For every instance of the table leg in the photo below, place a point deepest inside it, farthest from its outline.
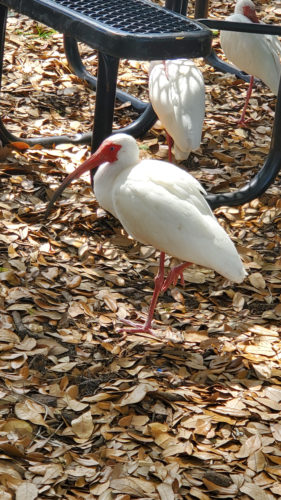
(5, 136)
(201, 8)
(179, 6)
(105, 98)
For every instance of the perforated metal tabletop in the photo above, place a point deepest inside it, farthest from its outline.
(132, 15)
(136, 29)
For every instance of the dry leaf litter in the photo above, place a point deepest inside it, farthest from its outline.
(86, 412)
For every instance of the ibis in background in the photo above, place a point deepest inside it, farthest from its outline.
(257, 55)
(161, 205)
(177, 95)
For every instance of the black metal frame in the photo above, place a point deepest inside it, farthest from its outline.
(266, 175)
(105, 86)
(272, 165)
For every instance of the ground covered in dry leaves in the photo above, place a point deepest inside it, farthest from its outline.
(90, 413)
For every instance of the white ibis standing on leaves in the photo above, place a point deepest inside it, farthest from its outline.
(177, 95)
(161, 205)
(257, 55)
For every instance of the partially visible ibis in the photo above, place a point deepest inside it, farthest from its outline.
(257, 55)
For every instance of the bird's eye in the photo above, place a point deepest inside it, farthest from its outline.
(112, 148)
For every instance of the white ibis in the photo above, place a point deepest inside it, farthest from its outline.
(161, 205)
(257, 55)
(177, 95)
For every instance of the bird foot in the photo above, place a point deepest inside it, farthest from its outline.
(173, 276)
(244, 123)
(134, 327)
(172, 279)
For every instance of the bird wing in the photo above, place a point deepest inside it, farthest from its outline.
(274, 43)
(274, 47)
(159, 95)
(177, 94)
(161, 205)
(187, 96)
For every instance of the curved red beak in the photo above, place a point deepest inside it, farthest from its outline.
(102, 155)
(93, 162)
(107, 152)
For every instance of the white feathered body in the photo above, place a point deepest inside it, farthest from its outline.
(177, 94)
(257, 55)
(161, 205)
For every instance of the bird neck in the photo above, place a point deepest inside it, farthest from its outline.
(105, 180)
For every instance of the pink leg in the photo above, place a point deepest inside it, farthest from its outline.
(249, 92)
(166, 69)
(158, 280)
(174, 275)
(170, 143)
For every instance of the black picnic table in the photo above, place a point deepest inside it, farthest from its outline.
(140, 30)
